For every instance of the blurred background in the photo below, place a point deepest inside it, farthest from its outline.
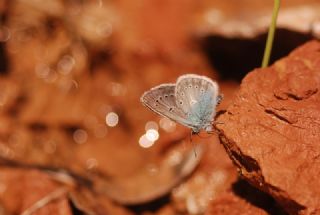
(71, 76)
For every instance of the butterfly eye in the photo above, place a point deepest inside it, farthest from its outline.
(160, 97)
(166, 96)
(190, 86)
(181, 102)
(157, 101)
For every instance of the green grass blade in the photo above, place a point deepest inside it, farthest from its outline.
(272, 28)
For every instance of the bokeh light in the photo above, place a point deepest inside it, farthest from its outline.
(117, 89)
(91, 163)
(100, 131)
(167, 125)
(42, 70)
(151, 125)
(80, 136)
(144, 142)
(152, 135)
(112, 119)
(66, 64)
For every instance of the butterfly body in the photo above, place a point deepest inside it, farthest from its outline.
(200, 113)
(190, 102)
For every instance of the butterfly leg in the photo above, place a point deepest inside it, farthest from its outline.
(215, 130)
(219, 99)
(193, 145)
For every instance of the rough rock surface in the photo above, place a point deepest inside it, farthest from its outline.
(272, 130)
(214, 176)
(231, 204)
(24, 192)
(243, 199)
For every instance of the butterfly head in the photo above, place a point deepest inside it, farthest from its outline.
(208, 128)
(195, 130)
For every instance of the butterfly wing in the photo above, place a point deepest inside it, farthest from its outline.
(197, 96)
(161, 99)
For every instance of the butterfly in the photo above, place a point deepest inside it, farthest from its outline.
(191, 101)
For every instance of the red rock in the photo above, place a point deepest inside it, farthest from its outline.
(231, 204)
(30, 191)
(22, 190)
(272, 130)
(243, 199)
(214, 176)
(90, 202)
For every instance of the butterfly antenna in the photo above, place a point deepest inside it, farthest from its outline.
(193, 145)
(214, 123)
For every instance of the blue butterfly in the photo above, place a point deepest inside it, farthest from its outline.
(191, 101)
